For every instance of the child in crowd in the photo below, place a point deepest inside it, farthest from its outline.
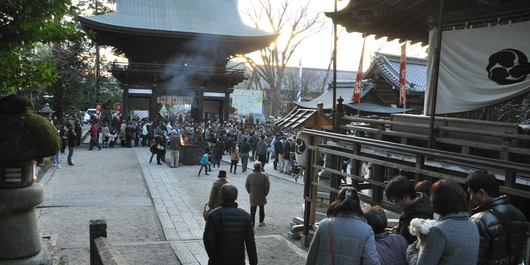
(205, 163)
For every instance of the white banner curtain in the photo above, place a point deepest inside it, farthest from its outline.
(472, 74)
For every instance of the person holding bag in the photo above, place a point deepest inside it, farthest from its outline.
(344, 237)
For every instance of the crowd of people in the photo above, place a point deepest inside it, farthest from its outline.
(495, 233)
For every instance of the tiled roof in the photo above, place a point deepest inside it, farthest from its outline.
(344, 90)
(296, 118)
(211, 17)
(388, 65)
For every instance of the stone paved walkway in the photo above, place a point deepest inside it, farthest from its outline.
(154, 212)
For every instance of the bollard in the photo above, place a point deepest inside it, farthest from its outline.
(98, 228)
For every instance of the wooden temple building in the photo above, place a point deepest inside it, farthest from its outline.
(177, 53)
(380, 89)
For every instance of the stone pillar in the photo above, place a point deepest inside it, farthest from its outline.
(26, 137)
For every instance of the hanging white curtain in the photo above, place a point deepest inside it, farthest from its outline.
(480, 67)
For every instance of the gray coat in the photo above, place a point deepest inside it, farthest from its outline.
(353, 240)
(258, 186)
(455, 240)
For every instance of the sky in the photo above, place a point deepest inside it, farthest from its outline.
(315, 52)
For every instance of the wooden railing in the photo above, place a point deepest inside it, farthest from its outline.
(388, 159)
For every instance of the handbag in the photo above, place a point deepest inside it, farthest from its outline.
(331, 245)
(205, 212)
(160, 147)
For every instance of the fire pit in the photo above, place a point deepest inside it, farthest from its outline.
(191, 152)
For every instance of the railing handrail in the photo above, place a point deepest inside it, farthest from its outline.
(440, 128)
(397, 147)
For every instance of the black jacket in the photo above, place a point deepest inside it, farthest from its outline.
(492, 234)
(421, 208)
(228, 232)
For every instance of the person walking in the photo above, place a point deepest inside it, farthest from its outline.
(204, 163)
(161, 143)
(71, 141)
(215, 193)
(455, 239)
(258, 186)
(261, 149)
(218, 152)
(344, 238)
(278, 150)
(502, 227)
(174, 146)
(94, 133)
(234, 157)
(229, 232)
(244, 153)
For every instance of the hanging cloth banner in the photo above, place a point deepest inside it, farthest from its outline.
(118, 110)
(403, 75)
(480, 67)
(99, 106)
(359, 78)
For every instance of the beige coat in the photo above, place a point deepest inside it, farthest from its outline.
(215, 193)
(258, 186)
(234, 155)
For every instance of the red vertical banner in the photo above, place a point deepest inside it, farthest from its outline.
(403, 75)
(98, 109)
(118, 110)
(359, 78)
(235, 114)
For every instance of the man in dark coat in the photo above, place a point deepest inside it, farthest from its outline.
(229, 231)
(129, 134)
(483, 189)
(258, 186)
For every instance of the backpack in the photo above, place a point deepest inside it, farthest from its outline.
(278, 147)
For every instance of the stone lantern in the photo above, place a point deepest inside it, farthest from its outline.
(46, 112)
(25, 138)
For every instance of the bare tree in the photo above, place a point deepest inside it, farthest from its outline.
(308, 87)
(296, 22)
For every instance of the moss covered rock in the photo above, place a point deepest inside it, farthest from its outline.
(25, 135)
